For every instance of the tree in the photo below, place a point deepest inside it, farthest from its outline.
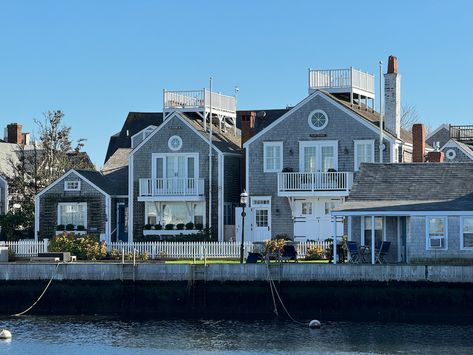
(410, 116)
(37, 166)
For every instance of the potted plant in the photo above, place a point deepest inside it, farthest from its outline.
(169, 226)
(60, 227)
(81, 228)
(180, 226)
(199, 226)
(147, 227)
(69, 227)
(158, 227)
(190, 226)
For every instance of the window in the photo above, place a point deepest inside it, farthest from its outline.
(306, 208)
(261, 217)
(364, 152)
(466, 233)
(450, 154)
(72, 185)
(378, 231)
(436, 233)
(72, 213)
(175, 143)
(273, 156)
(329, 206)
(174, 212)
(318, 120)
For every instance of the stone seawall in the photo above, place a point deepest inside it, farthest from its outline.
(287, 272)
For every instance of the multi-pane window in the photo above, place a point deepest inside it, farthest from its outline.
(261, 217)
(273, 158)
(467, 232)
(306, 208)
(436, 233)
(72, 185)
(329, 206)
(72, 213)
(364, 152)
(367, 231)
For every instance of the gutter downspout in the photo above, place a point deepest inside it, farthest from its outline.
(380, 113)
(210, 158)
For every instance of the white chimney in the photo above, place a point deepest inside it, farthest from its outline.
(392, 98)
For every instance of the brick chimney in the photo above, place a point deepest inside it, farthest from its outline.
(392, 98)
(418, 143)
(435, 157)
(248, 119)
(14, 134)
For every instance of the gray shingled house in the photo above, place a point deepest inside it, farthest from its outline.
(301, 165)
(456, 142)
(424, 209)
(3, 195)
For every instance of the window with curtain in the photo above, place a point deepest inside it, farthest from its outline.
(272, 156)
(72, 213)
(467, 232)
(378, 231)
(364, 152)
(436, 233)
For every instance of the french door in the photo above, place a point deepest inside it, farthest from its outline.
(175, 173)
(318, 156)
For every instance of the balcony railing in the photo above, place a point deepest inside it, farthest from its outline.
(199, 100)
(462, 133)
(341, 79)
(314, 182)
(171, 187)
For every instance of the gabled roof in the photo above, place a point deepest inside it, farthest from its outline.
(412, 187)
(439, 128)
(465, 148)
(118, 160)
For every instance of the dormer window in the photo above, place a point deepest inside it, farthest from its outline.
(72, 185)
(318, 120)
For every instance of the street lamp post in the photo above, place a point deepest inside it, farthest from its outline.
(243, 203)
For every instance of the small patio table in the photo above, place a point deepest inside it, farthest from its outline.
(365, 254)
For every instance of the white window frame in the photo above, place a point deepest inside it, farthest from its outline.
(357, 142)
(318, 145)
(254, 199)
(462, 240)
(171, 139)
(67, 188)
(154, 156)
(279, 145)
(383, 230)
(427, 233)
(68, 204)
(310, 209)
(309, 120)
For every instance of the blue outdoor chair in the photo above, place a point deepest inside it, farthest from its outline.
(253, 258)
(382, 251)
(354, 253)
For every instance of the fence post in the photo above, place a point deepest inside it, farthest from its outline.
(45, 245)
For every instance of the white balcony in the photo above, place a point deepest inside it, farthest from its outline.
(351, 81)
(315, 184)
(199, 101)
(173, 189)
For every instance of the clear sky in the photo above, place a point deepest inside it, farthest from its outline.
(98, 60)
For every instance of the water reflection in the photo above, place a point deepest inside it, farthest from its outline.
(97, 335)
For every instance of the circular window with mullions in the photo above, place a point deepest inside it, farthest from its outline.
(175, 143)
(450, 154)
(318, 120)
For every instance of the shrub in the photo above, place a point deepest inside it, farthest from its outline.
(80, 227)
(87, 247)
(189, 226)
(274, 245)
(180, 226)
(315, 252)
(147, 227)
(158, 227)
(69, 227)
(60, 227)
(169, 226)
(199, 226)
(116, 254)
(282, 236)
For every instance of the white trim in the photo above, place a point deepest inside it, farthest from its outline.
(462, 246)
(444, 125)
(36, 217)
(58, 222)
(453, 143)
(279, 144)
(170, 140)
(356, 142)
(150, 128)
(318, 144)
(220, 175)
(383, 227)
(168, 119)
(154, 156)
(252, 198)
(68, 188)
(427, 233)
(388, 136)
(450, 154)
(130, 198)
(247, 168)
(108, 216)
(309, 120)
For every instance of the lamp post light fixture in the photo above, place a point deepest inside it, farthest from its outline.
(243, 203)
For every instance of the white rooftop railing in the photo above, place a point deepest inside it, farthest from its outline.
(199, 99)
(341, 78)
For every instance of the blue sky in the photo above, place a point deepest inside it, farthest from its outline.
(98, 60)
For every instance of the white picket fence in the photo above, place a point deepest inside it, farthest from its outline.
(27, 247)
(179, 250)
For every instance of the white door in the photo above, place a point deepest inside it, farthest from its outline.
(318, 156)
(238, 225)
(261, 223)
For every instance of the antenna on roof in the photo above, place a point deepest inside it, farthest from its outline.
(237, 91)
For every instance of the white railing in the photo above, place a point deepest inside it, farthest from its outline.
(341, 78)
(198, 99)
(179, 250)
(172, 187)
(329, 181)
(27, 247)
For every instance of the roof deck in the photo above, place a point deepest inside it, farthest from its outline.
(336, 81)
(462, 133)
(199, 101)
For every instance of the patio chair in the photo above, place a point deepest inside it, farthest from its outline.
(253, 258)
(354, 253)
(382, 251)
(289, 252)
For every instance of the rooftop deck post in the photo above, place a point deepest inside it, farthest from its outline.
(373, 234)
(334, 245)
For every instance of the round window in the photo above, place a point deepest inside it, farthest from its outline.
(450, 154)
(318, 120)
(175, 143)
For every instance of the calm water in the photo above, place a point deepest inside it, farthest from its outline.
(92, 335)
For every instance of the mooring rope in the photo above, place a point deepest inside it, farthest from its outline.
(275, 310)
(40, 296)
